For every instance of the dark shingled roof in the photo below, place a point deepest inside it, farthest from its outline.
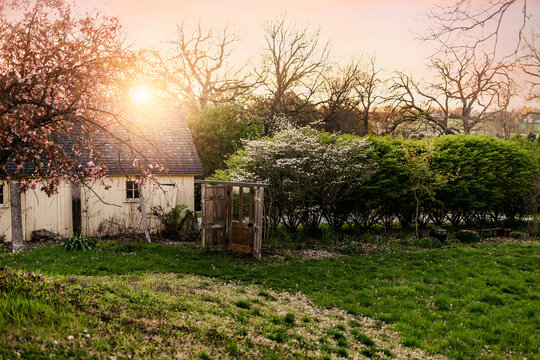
(155, 137)
(159, 138)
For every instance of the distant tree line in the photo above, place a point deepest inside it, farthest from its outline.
(295, 77)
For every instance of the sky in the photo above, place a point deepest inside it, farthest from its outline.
(386, 28)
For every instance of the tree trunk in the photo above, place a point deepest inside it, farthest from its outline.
(76, 211)
(16, 216)
(143, 211)
(416, 214)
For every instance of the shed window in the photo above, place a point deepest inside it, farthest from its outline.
(1, 193)
(132, 190)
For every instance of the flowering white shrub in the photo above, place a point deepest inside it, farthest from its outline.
(308, 171)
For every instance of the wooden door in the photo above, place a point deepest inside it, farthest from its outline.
(214, 220)
(241, 220)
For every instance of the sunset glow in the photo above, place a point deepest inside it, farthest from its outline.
(141, 94)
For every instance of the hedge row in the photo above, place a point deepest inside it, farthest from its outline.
(486, 180)
(489, 179)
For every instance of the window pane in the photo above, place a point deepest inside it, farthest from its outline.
(246, 204)
(235, 204)
(132, 190)
(1, 193)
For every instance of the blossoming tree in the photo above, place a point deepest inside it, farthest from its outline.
(308, 171)
(57, 72)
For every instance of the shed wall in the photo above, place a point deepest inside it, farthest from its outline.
(104, 210)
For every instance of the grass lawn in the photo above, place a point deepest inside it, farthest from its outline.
(480, 301)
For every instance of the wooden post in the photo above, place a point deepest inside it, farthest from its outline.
(258, 229)
(16, 216)
(76, 213)
(203, 214)
(143, 211)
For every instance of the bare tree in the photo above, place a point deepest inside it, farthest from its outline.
(339, 106)
(428, 104)
(468, 24)
(351, 95)
(476, 85)
(388, 119)
(293, 62)
(367, 89)
(530, 64)
(197, 71)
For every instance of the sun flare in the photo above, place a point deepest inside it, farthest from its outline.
(141, 94)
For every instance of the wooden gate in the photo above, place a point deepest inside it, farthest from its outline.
(232, 216)
(214, 216)
(241, 224)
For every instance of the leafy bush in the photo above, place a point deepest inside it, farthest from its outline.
(79, 243)
(179, 222)
(493, 177)
(309, 172)
(365, 182)
(467, 236)
(516, 235)
(429, 243)
(369, 238)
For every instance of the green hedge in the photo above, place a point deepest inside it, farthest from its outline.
(489, 179)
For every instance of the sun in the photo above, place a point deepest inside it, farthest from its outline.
(141, 94)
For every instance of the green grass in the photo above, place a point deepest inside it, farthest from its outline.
(164, 316)
(480, 301)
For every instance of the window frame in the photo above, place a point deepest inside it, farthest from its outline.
(132, 191)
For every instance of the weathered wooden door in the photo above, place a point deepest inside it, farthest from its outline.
(215, 220)
(232, 216)
(241, 220)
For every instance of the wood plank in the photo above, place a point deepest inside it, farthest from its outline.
(240, 248)
(214, 225)
(203, 214)
(251, 198)
(241, 204)
(233, 183)
(258, 223)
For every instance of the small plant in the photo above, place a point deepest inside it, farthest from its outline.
(429, 243)
(516, 235)
(289, 319)
(242, 304)
(78, 243)
(329, 236)
(363, 338)
(179, 222)
(369, 238)
(467, 236)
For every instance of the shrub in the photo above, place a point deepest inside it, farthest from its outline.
(429, 243)
(79, 243)
(289, 319)
(309, 173)
(516, 235)
(179, 222)
(467, 236)
(369, 238)
(492, 175)
(365, 182)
